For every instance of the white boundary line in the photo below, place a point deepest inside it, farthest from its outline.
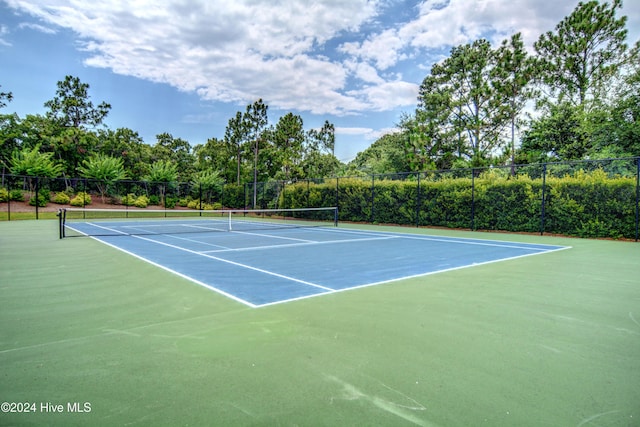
(272, 237)
(248, 267)
(366, 285)
(308, 243)
(446, 239)
(537, 247)
(184, 276)
(173, 236)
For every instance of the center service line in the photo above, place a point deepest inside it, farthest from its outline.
(237, 264)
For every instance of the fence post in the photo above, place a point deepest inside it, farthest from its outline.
(542, 208)
(637, 194)
(84, 196)
(338, 193)
(37, 192)
(9, 182)
(418, 203)
(473, 199)
(284, 194)
(163, 193)
(373, 197)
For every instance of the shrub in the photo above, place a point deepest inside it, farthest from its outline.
(586, 204)
(81, 199)
(129, 199)
(16, 196)
(41, 199)
(170, 202)
(154, 200)
(61, 199)
(141, 202)
(234, 197)
(4, 195)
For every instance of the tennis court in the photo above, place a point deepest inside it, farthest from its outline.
(551, 339)
(258, 262)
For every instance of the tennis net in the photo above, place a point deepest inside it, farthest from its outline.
(126, 222)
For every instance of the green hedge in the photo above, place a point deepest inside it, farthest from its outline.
(591, 205)
(583, 204)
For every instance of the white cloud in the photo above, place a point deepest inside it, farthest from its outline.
(363, 71)
(367, 133)
(353, 130)
(4, 31)
(384, 49)
(40, 28)
(225, 51)
(380, 96)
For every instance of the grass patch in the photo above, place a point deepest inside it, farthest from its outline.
(19, 216)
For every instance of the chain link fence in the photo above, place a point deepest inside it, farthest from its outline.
(598, 198)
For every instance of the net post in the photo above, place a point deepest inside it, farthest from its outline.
(542, 207)
(61, 219)
(335, 217)
(637, 197)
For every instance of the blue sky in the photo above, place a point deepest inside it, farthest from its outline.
(186, 66)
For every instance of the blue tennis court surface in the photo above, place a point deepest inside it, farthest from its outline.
(259, 268)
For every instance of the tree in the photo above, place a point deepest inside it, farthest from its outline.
(512, 76)
(128, 145)
(458, 102)
(558, 134)
(235, 135)
(319, 165)
(387, 154)
(324, 139)
(163, 173)
(4, 98)
(255, 121)
(428, 142)
(619, 135)
(73, 114)
(214, 156)
(288, 140)
(10, 133)
(31, 162)
(104, 169)
(584, 53)
(71, 106)
(208, 182)
(431, 130)
(176, 150)
(319, 152)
